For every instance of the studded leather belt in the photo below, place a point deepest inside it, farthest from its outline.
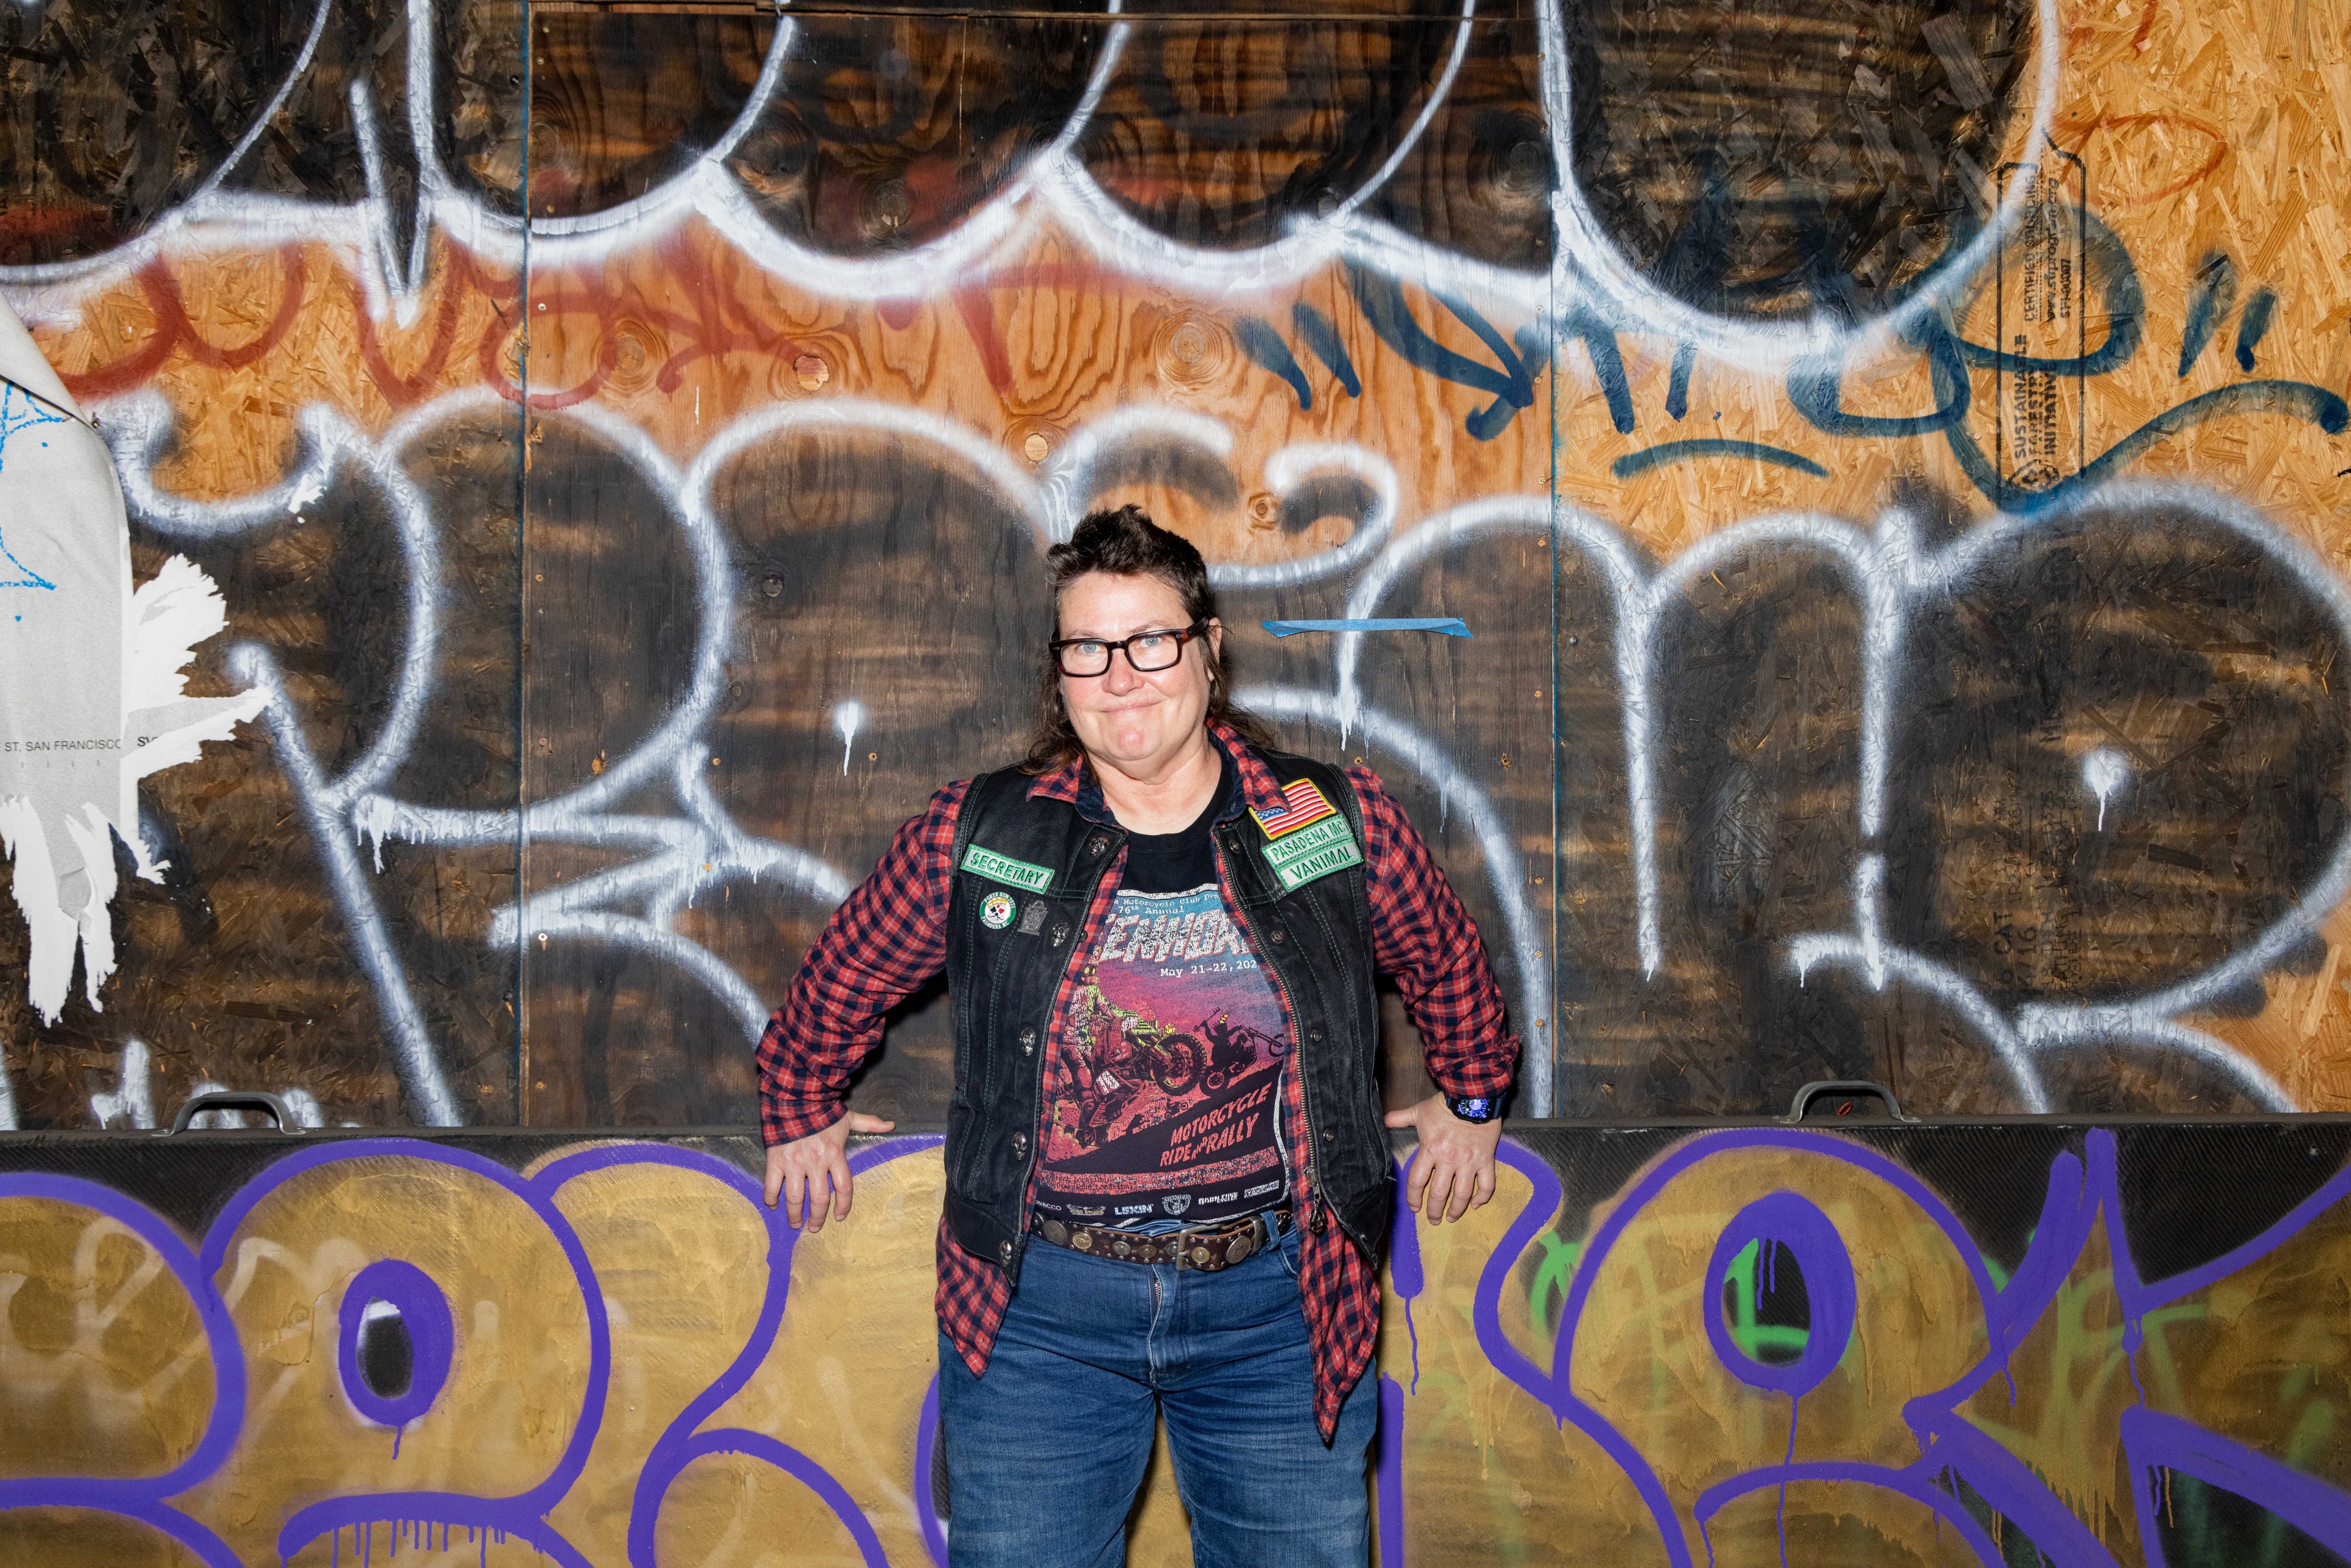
(1205, 1251)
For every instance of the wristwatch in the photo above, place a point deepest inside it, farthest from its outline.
(1474, 1107)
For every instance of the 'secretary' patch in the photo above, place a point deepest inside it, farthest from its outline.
(1006, 869)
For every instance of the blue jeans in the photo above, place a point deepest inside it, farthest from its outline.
(1046, 1453)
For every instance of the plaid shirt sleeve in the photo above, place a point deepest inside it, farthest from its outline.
(1423, 940)
(887, 939)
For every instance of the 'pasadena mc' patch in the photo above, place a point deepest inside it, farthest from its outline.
(1322, 848)
(1302, 805)
(1005, 869)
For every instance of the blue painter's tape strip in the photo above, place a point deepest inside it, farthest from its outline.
(1451, 625)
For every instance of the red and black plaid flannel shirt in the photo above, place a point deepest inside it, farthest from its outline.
(888, 939)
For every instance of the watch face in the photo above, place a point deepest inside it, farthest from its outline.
(1479, 1109)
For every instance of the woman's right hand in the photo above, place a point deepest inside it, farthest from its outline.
(815, 1169)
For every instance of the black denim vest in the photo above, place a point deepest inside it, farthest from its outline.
(1316, 947)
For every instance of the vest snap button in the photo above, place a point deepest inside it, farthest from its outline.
(1096, 845)
(1329, 1134)
(1020, 1143)
(1004, 1250)
(1315, 1033)
(1279, 937)
(1029, 1038)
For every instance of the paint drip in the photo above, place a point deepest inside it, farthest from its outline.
(2104, 771)
(846, 717)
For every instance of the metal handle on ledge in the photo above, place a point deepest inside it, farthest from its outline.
(1813, 1090)
(236, 1100)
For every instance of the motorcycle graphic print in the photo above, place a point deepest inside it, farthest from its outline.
(1167, 1096)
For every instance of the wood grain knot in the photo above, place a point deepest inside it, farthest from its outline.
(1192, 350)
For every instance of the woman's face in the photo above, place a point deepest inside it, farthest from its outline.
(1136, 721)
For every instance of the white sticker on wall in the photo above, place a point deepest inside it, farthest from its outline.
(92, 694)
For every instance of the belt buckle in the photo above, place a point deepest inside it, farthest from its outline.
(1218, 1248)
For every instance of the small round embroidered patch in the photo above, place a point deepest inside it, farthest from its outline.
(996, 911)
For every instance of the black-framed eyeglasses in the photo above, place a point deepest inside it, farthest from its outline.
(1145, 650)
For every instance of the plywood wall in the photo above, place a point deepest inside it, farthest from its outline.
(1892, 460)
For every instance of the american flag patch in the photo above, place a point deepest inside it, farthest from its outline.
(1302, 804)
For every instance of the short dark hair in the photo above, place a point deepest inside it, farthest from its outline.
(1128, 543)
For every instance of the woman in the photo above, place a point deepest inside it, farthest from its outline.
(1167, 1185)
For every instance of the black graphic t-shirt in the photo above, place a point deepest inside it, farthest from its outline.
(1176, 1044)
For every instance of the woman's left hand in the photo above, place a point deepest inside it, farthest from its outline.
(1454, 1172)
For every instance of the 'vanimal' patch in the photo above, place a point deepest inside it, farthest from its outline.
(1321, 849)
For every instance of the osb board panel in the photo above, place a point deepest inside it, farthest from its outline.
(1744, 317)
(2052, 865)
